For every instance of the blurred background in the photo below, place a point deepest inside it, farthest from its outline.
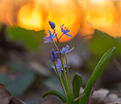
(95, 26)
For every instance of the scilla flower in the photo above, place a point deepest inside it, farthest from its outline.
(58, 65)
(50, 37)
(65, 50)
(65, 31)
(52, 25)
(53, 55)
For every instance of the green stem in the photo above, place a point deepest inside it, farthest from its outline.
(59, 78)
(65, 76)
(67, 68)
(61, 59)
(55, 45)
(64, 71)
(69, 95)
(60, 37)
(58, 75)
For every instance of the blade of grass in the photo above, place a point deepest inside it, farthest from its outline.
(69, 94)
(76, 83)
(56, 93)
(95, 75)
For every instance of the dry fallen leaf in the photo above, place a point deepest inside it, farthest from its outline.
(6, 98)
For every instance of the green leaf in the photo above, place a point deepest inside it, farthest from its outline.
(70, 97)
(64, 82)
(31, 39)
(102, 41)
(69, 94)
(95, 75)
(17, 85)
(76, 83)
(56, 93)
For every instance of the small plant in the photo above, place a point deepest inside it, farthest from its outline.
(71, 95)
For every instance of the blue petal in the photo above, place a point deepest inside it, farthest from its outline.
(52, 24)
(59, 62)
(59, 69)
(71, 49)
(50, 33)
(53, 55)
(58, 51)
(65, 66)
(68, 35)
(67, 47)
(54, 36)
(63, 48)
(62, 29)
(47, 41)
(51, 40)
(53, 67)
(46, 37)
(67, 31)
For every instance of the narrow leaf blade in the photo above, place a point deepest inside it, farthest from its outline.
(69, 94)
(76, 84)
(95, 75)
(56, 93)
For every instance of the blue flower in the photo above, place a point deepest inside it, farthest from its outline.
(53, 55)
(58, 65)
(65, 31)
(52, 25)
(50, 37)
(65, 50)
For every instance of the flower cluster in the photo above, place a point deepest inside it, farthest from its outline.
(56, 56)
(50, 37)
(71, 89)
(65, 50)
(60, 64)
(65, 31)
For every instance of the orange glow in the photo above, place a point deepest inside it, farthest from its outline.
(86, 30)
(63, 12)
(102, 15)
(79, 16)
(30, 17)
